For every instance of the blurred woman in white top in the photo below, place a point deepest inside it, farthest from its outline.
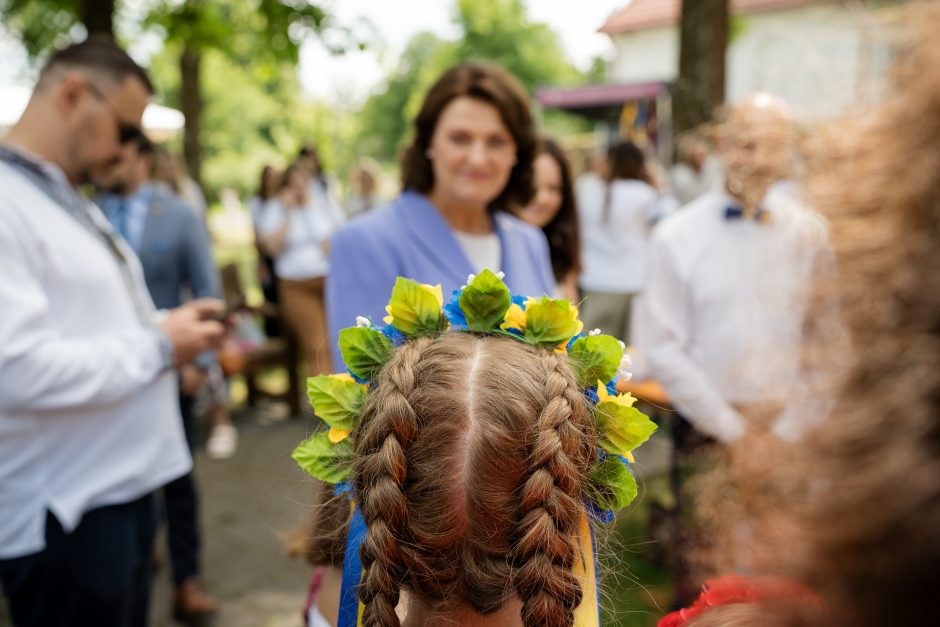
(616, 221)
(295, 230)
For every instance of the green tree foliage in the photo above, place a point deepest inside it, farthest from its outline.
(498, 31)
(42, 25)
(254, 115)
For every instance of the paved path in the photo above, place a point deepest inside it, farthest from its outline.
(247, 502)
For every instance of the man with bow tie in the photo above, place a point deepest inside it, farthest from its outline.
(727, 287)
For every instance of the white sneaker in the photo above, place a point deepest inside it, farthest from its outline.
(223, 440)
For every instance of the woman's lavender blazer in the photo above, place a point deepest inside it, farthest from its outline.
(410, 238)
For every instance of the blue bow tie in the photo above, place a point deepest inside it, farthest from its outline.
(734, 212)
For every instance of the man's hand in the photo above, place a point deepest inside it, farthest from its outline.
(189, 330)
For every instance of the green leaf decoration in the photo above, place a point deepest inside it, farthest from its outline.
(416, 309)
(365, 351)
(327, 462)
(595, 358)
(621, 428)
(611, 484)
(551, 321)
(484, 302)
(336, 399)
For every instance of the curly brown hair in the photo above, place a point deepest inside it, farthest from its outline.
(854, 509)
(471, 459)
(491, 84)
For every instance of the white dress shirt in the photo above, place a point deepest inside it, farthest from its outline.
(613, 250)
(722, 314)
(311, 227)
(89, 414)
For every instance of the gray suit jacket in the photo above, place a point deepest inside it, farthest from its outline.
(175, 252)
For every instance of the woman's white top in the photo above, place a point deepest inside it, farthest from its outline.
(482, 250)
(613, 251)
(311, 227)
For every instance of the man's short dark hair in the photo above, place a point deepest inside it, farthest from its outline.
(98, 53)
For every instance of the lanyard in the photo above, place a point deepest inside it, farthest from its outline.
(66, 197)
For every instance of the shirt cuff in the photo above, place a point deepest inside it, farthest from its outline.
(165, 348)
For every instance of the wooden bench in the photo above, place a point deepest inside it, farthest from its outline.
(279, 352)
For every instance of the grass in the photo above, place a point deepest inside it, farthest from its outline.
(635, 592)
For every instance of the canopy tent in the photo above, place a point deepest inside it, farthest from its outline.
(159, 122)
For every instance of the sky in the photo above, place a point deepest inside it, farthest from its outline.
(354, 75)
(349, 78)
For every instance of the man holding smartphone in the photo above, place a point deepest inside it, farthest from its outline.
(89, 414)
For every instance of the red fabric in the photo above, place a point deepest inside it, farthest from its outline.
(732, 589)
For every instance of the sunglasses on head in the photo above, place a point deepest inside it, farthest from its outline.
(127, 132)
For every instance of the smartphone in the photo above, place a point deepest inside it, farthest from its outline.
(231, 307)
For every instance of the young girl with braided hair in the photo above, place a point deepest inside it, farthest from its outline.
(473, 465)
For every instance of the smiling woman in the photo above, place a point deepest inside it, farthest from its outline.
(470, 159)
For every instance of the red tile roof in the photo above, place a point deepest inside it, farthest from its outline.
(643, 14)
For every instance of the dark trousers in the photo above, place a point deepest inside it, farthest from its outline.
(98, 575)
(182, 514)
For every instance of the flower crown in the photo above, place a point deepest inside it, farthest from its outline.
(484, 305)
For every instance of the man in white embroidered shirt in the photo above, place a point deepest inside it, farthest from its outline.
(89, 423)
(728, 285)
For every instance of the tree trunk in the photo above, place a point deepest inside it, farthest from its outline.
(191, 104)
(98, 16)
(703, 41)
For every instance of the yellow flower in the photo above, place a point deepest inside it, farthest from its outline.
(342, 376)
(627, 400)
(435, 291)
(514, 319)
(388, 319)
(338, 435)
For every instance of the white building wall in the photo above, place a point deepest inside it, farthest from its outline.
(821, 59)
(645, 56)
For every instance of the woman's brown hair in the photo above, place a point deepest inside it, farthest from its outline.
(853, 510)
(492, 85)
(626, 161)
(563, 234)
(471, 459)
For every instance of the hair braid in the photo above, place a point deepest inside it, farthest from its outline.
(381, 473)
(543, 551)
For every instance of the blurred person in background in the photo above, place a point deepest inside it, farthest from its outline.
(727, 285)
(696, 170)
(268, 187)
(296, 231)
(846, 524)
(470, 160)
(363, 187)
(616, 222)
(89, 411)
(169, 172)
(723, 310)
(321, 190)
(553, 210)
(174, 251)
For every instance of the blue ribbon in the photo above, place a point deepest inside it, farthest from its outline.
(352, 571)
